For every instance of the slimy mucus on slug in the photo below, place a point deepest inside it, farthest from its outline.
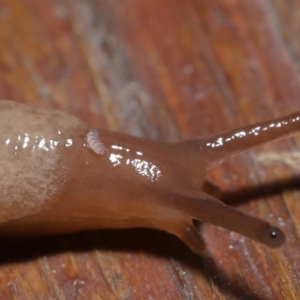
(59, 176)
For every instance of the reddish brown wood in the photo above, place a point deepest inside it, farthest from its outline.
(164, 70)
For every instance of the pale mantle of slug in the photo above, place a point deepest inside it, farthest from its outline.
(31, 139)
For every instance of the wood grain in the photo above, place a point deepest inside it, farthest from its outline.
(164, 70)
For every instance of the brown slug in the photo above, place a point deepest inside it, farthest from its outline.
(58, 175)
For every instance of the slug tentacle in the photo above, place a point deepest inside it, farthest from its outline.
(205, 208)
(190, 235)
(224, 145)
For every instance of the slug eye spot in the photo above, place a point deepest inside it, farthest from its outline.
(94, 142)
(276, 238)
(270, 235)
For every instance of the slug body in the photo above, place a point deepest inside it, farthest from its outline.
(59, 176)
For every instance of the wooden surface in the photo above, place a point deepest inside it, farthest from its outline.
(164, 70)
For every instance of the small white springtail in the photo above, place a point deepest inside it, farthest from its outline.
(94, 142)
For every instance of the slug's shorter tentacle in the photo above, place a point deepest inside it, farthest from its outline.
(192, 238)
(183, 227)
